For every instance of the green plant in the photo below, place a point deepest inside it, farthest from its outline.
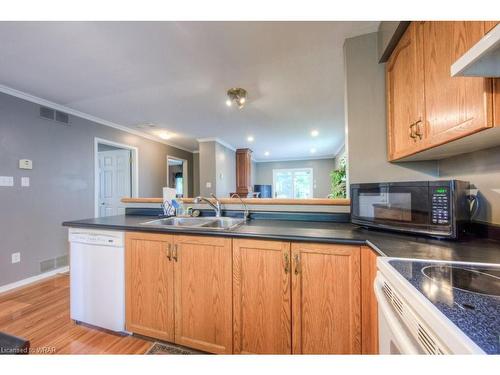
(338, 180)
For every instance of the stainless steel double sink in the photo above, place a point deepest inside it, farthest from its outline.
(205, 223)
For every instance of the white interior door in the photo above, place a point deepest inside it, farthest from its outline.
(114, 181)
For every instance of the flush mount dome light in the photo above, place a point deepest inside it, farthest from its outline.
(237, 96)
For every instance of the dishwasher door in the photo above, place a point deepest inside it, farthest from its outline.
(97, 278)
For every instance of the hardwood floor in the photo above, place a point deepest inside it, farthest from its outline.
(40, 313)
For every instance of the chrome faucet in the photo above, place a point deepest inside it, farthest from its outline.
(217, 206)
(246, 212)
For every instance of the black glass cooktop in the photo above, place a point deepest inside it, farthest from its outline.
(468, 295)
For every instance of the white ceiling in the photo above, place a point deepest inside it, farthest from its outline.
(176, 74)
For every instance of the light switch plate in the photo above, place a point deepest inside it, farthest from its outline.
(25, 181)
(6, 181)
(16, 257)
(208, 185)
(25, 164)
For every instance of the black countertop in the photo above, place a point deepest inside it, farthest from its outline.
(385, 243)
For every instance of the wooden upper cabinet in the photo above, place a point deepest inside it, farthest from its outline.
(203, 293)
(326, 306)
(149, 285)
(261, 297)
(489, 25)
(455, 106)
(243, 171)
(405, 94)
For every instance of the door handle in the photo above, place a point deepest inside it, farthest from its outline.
(297, 264)
(169, 252)
(175, 253)
(287, 263)
(417, 129)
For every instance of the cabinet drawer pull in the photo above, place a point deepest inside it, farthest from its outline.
(297, 264)
(287, 263)
(169, 252)
(175, 253)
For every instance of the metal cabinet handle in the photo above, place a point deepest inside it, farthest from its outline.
(412, 134)
(169, 252)
(417, 129)
(287, 263)
(175, 253)
(297, 264)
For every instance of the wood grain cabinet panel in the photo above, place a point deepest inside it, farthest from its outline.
(261, 297)
(149, 285)
(326, 306)
(455, 106)
(405, 94)
(203, 293)
(369, 307)
(489, 25)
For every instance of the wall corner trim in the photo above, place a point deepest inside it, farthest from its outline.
(35, 99)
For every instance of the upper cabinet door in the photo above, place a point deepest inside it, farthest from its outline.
(261, 297)
(405, 94)
(489, 25)
(326, 306)
(149, 285)
(455, 106)
(203, 293)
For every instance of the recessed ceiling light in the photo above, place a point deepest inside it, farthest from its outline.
(165, 135)
(250, 138)
(266, 153)
(313, 150)
(314, 133)
(229, 103)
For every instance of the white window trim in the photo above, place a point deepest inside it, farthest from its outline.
(293, 170)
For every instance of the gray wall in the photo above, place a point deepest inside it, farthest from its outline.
(225, 164)
(196, 174)
(365, 119)
(62, 181)
(482, 169)
(321, 173)
(207, 168)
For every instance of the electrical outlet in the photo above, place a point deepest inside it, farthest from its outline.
(16, 257)
(25, 181)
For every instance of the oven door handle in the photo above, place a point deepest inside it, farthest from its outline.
(398, 333)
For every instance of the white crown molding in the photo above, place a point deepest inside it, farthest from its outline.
(295, 159)
(218, 140)
(29, 280)
(338, 150)
(35, 99)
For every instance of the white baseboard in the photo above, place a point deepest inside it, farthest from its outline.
(29, 280)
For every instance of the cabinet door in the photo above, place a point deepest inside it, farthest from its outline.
(369, 306)
(261, 297)
(489, 25)
(405, 94)
(326, 307)
(203, 293)
(149, 283)
(455, 106)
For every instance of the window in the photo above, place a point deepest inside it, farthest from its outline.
(293, 183)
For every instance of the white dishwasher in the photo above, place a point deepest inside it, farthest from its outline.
(97, 278)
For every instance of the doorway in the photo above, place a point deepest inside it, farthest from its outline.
(177, 172)
(115, 176)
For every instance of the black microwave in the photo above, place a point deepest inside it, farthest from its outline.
(435, 208)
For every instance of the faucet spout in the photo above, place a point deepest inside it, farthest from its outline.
(216, 206)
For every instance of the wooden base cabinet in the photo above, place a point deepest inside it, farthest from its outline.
(179, 289)
(261, 297)
(149, 285)
(203, 293)
(326, 299)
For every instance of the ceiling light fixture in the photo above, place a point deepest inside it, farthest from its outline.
(164, 135)
(236, 95)
(250, 138)
(314, 133)
(313, 150)
(266, 153)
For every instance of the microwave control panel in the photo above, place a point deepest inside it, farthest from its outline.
(441, 205)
